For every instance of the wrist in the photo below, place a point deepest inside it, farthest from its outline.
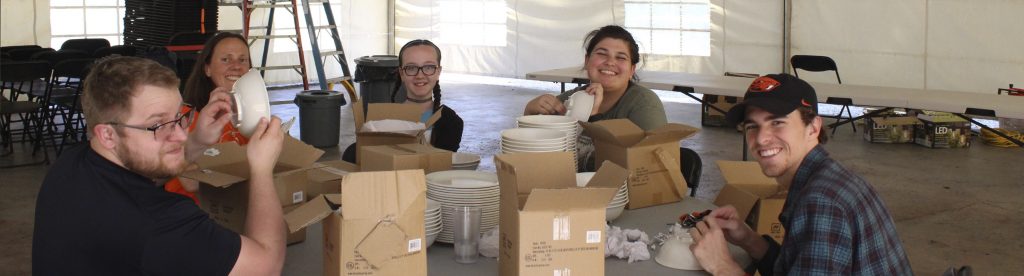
(756, 246)
(731, 268)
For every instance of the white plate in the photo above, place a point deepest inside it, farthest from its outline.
(464, 158)
(532, 134)
(251, 102)
(546, 119)
(463, 179)
(579, 106)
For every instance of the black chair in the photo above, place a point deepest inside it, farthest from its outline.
(4, 49)
(26, 53)
(88, 45)
(21, 76)
(121, 50)
(691, 166)
(822, 64)
(65, 90)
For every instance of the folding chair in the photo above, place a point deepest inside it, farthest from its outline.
(691, 166)
(822, 64)
(21, 76)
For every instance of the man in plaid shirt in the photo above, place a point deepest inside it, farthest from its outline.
(835, 222)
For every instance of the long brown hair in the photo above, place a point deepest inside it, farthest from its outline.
(198, 85)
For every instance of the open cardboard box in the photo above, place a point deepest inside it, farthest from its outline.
(652, 158)
(324, 177)
(757, 197)
(548, 225)
(405, 157)
(374, 227)
(224, 173)
(384, 111)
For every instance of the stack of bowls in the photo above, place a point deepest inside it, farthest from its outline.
(432, 221)
(520, 140)
(565, 124)
(465, 161)
(618, 202)
(458, 188)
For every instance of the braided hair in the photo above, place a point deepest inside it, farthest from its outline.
(398, 81)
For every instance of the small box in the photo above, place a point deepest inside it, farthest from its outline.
(387, 111)
(652, 158)
(405, 157)
(712, 117)
(942, 130)
(224, 172)
(325, 177)
(892, 130)
(757, 197)
(380, 229)
(549, 226)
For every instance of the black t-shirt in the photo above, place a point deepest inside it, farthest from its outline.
(94, 217)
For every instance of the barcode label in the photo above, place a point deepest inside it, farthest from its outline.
(560, 228)
(415, 245)
(563, 272)
(593, 236)
(298, 197)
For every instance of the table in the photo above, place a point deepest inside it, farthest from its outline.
(306, 258)
(956, 102)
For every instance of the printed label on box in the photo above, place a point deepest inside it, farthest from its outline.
(593, 236)
(415, 245)
(560, 228)
(297, 197)
(563, 272)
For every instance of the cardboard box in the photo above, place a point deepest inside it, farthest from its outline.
(652, 158)
(224, 173)
(405, 157)
(385, 111)
(380, 230)
(892, 130)
(548, 225)
(757, 197)
(297, 236)
(711, 116)
(942, 130)
(325, 177)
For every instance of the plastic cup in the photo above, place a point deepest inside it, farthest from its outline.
(467, 234)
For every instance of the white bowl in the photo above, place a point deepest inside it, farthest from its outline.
(546, 119)
(465, 158)
(251, 102)
(534, 135)
(675, 253)
(579, 106)
(612, 213)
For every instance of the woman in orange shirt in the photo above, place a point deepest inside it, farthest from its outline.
(224, 59)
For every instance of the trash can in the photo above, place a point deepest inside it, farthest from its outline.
(319, 116)
(376, 76)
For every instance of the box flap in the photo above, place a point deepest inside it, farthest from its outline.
(330, 170)
(358, 116)
(524, 172)
(896, 121)
(308, 213)
(568, 199)
(622, 132)
(609, 175)
(213, 178)
(384, 243)
(742, 200)
(297, 154)
(375, 195)
(222, 154)
(749, 177)
(396, 111)
(667, 133)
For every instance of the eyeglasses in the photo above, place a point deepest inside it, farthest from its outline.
(428, 70)
(165, 129)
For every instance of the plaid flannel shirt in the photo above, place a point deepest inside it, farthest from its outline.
(835, 225)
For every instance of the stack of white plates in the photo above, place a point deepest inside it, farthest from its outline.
(465, 161)
(457, 188)
(432, 221)
(618, 202)
(567, 125)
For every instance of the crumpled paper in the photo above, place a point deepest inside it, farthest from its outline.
(628, 244)
(489, 244)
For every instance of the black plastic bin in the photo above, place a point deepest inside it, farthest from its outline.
(319, 116)
(376, 76)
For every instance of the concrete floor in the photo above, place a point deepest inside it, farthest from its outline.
(951, 206)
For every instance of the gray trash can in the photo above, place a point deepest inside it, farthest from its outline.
(376, 76)
(319, 116)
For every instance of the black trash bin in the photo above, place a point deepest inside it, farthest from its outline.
(376, 76)
(319, 116)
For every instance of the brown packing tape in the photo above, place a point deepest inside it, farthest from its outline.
(674, 172)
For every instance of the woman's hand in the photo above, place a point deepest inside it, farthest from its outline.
(544, 104)
(596, 90)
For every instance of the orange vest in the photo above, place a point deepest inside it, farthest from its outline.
(230, 133)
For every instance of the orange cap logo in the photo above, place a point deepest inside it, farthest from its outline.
(763, 84)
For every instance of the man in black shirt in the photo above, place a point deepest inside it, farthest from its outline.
(101, 209)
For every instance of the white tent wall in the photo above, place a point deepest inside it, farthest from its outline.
(25, 22)
(544, 34)
(362, 24)
(933, 44)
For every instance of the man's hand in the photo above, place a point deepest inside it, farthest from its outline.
(712, 251)
(265, 146)
(544, 104)
(212, 118)
(737, 232)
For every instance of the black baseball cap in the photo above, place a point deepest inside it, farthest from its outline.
(779, 94)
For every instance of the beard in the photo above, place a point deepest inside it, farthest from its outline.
(156, 169)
